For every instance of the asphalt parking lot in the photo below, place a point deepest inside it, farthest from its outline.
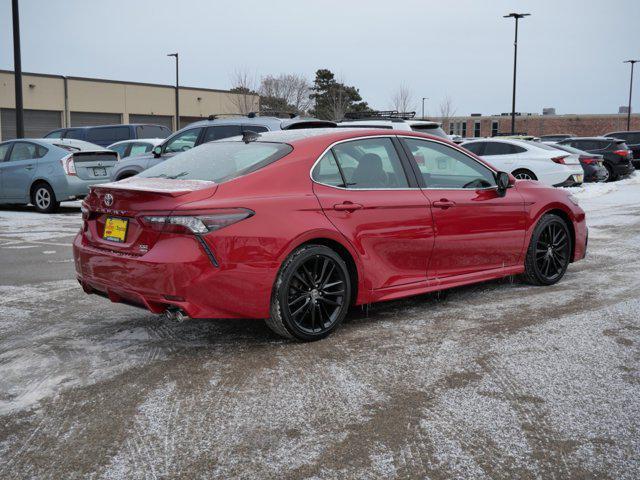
(498, 380)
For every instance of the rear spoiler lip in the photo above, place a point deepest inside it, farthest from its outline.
(135, 185)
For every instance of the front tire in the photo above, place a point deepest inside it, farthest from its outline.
(44, 198)
(549, 251)
(311, 295)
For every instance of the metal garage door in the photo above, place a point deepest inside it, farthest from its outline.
(37, 123)
(184, 121)
(164, 120)
(89, 119)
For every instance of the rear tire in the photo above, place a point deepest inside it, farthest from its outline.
(524, 174)
(611, 177)
(549, 251)
(43, 198)
(311, 295)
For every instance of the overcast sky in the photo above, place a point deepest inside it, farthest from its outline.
(570, 52)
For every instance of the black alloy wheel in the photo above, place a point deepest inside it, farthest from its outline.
(549, 253)
(312, 294)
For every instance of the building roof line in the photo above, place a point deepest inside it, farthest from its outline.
(121, 82)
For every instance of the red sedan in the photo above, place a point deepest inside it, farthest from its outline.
(297, 226)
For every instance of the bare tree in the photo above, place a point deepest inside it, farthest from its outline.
(447, 111)
(244, 95)
(338, 100)
(403, 100)
(292, 90)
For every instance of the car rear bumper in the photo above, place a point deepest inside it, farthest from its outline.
(572, 181)
(175, 273)
(623, 168)
(73, 187)
(594, 173)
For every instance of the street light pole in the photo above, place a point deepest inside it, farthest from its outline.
(423, 99)
(516, 16)
(632, 62)
(17, 70)
(177, 90)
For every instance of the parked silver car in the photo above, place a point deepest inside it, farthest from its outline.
(47, 171)
(132, 148)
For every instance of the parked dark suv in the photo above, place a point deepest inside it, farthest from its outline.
(632, 139)
(616, 155)
(105, 135)
(207, 131)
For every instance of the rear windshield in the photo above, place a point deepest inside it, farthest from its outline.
(567, 148)
(219, 161)
(541, 145)
(434, 130)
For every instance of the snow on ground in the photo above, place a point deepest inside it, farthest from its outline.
(497, 380)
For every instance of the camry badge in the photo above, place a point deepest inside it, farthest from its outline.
(108, 199)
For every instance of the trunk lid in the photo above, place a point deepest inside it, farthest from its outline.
(94, 165)
(127, 201)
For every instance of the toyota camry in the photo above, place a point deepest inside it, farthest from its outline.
(295, 227)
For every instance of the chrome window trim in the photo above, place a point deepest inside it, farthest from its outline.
(455, 147)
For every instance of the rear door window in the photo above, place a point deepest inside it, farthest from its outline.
(55, 134)
(497, 148)
(218, 132)
(74, 133)
(370, 163)
(139, 148)
(108, 134)
(26, 151)
(120, 149)
(4, 148)
(327, 171)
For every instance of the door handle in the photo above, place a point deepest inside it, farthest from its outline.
(29, 167)
(444, 203)
(347, 207)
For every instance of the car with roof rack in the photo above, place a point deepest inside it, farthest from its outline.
(392, 120)
(215, 127)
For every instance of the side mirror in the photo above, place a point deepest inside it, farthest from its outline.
(157, 151)
(504, 182)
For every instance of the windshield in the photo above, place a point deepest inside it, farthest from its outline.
(219, 161)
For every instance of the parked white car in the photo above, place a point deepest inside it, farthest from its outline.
(424, 126)
(528, 160)
(130, 148)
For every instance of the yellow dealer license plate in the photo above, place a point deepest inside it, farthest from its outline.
(115, 229)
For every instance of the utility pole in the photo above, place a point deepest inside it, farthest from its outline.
(516, 16)
(632, 62)
(177, 90)
(17, 70)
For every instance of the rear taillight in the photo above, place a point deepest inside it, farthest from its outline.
(68, 165)
(559, 159)
(588, 160)
(622, 153)
(198, 224)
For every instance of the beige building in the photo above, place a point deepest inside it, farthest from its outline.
(55, 101)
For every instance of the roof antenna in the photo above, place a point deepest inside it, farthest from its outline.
(249, 136)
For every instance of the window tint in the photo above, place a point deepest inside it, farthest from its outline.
(517, 149)
(445, 167)
(152, 131)
(370, 163)
(254, 128)
(121, 149)
(139, 148)
(108, 134)
(4, 148)
(475, 147)
(182, 141)
(75, 133)
(327, 172)
(219, 132)
(219, 161)
(497, 148)
(55, 134)
(26, 151)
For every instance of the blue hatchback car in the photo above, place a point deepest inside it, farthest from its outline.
(45, 172)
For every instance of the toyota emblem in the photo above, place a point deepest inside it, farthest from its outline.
(108, 199)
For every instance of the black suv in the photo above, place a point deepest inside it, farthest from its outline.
(632, 139)
(616, 155)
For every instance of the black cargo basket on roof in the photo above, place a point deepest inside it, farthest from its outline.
(380, 115)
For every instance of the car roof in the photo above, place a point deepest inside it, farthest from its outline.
(620, 131)
(79, 144)
(270, 122)
(86, 127)
(516, 141)
(331, 135)
(600, 139)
